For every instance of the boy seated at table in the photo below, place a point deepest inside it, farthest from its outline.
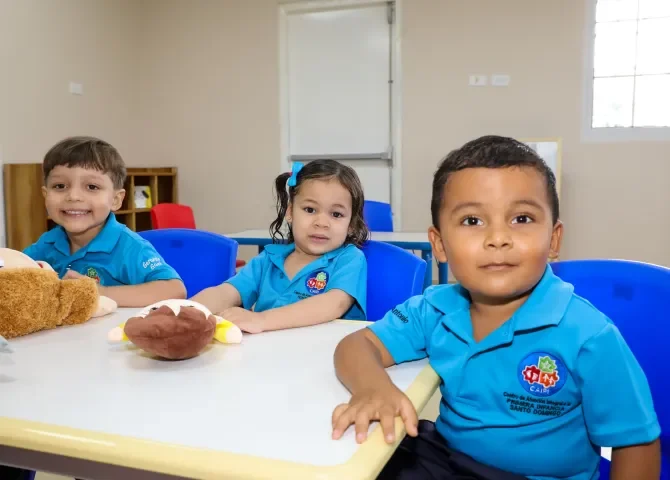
(83, 186)
(534, 379)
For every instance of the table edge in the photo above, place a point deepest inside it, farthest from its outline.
(193, 462)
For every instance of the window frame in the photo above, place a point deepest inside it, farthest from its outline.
(607, 134)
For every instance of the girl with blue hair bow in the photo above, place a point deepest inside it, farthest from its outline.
(314, 271)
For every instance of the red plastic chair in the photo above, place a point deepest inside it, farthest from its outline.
(174, 215)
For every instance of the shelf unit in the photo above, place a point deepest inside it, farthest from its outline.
(26, 218)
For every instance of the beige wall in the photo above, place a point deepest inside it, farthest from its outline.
(615, 196)
(195, 84)
(44, 45)
(210, 105)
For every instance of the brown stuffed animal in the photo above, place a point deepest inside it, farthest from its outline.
(33, 298)
(175, 329)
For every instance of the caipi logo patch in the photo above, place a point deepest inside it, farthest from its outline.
(316, 283)
(542, 374)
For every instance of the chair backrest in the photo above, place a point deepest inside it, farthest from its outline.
(378, 216)
(172, 215)
(394, 275)
(202, 259)
(634, 296)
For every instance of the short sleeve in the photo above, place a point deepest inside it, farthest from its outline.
(247, 281)
(607, 369)
(350, 274)
(406, 330)
(148, 266)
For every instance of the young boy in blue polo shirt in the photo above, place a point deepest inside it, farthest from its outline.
(534, 379)
(83, 186)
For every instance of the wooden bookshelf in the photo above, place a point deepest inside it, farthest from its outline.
(26, 218)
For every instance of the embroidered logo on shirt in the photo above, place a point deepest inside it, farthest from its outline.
(317, 282)
(152, 263)
(403, 318)
(93, 273)
(536, 405)
(542, 374)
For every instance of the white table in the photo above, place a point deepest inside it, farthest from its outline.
(260, 409)
(406, 240)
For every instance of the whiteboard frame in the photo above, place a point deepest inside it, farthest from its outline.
(304, 6)
(559, 156)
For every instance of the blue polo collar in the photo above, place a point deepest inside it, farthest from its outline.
(536, 312)
(104, 242)
(277, 252)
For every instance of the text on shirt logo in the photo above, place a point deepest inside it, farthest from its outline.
(536, 406)
(152, 263)
(403, 318)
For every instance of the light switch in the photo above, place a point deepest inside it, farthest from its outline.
(500, 80)
(76, 88)
(478, 80)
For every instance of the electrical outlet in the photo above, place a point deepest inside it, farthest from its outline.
(500, 80)
(76, 88)
(478, 80)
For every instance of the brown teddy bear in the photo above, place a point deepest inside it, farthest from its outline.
(33, 298)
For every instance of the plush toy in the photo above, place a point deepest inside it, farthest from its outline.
(33, 298)
(175, 329)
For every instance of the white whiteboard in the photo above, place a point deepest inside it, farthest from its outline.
(550, 151)
(338, 81)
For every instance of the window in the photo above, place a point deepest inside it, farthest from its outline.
(631, 64)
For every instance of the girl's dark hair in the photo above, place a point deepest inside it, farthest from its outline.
(321, 170)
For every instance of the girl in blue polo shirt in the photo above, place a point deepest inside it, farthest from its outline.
(315, 272)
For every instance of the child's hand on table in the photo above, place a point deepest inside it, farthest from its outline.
(72, 275)
(247, 321)
(382, 404)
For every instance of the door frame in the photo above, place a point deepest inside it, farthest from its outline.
(289, 7)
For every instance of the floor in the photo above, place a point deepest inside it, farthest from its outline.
(430, 412)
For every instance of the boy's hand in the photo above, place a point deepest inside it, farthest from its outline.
(382, 404)
(250, 322)
(72, 275)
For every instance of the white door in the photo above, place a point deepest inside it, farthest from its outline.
(337, 71)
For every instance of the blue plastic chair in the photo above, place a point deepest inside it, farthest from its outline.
(202, 259)
(634, 296)
(394, 275)
(378, 216)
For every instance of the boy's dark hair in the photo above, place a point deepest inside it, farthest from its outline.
(322, 170)
(86, 152)
(491, 151)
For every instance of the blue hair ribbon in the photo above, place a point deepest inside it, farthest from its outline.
(293, 179)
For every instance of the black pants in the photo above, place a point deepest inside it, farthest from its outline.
(11, 473)
(427, 457)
